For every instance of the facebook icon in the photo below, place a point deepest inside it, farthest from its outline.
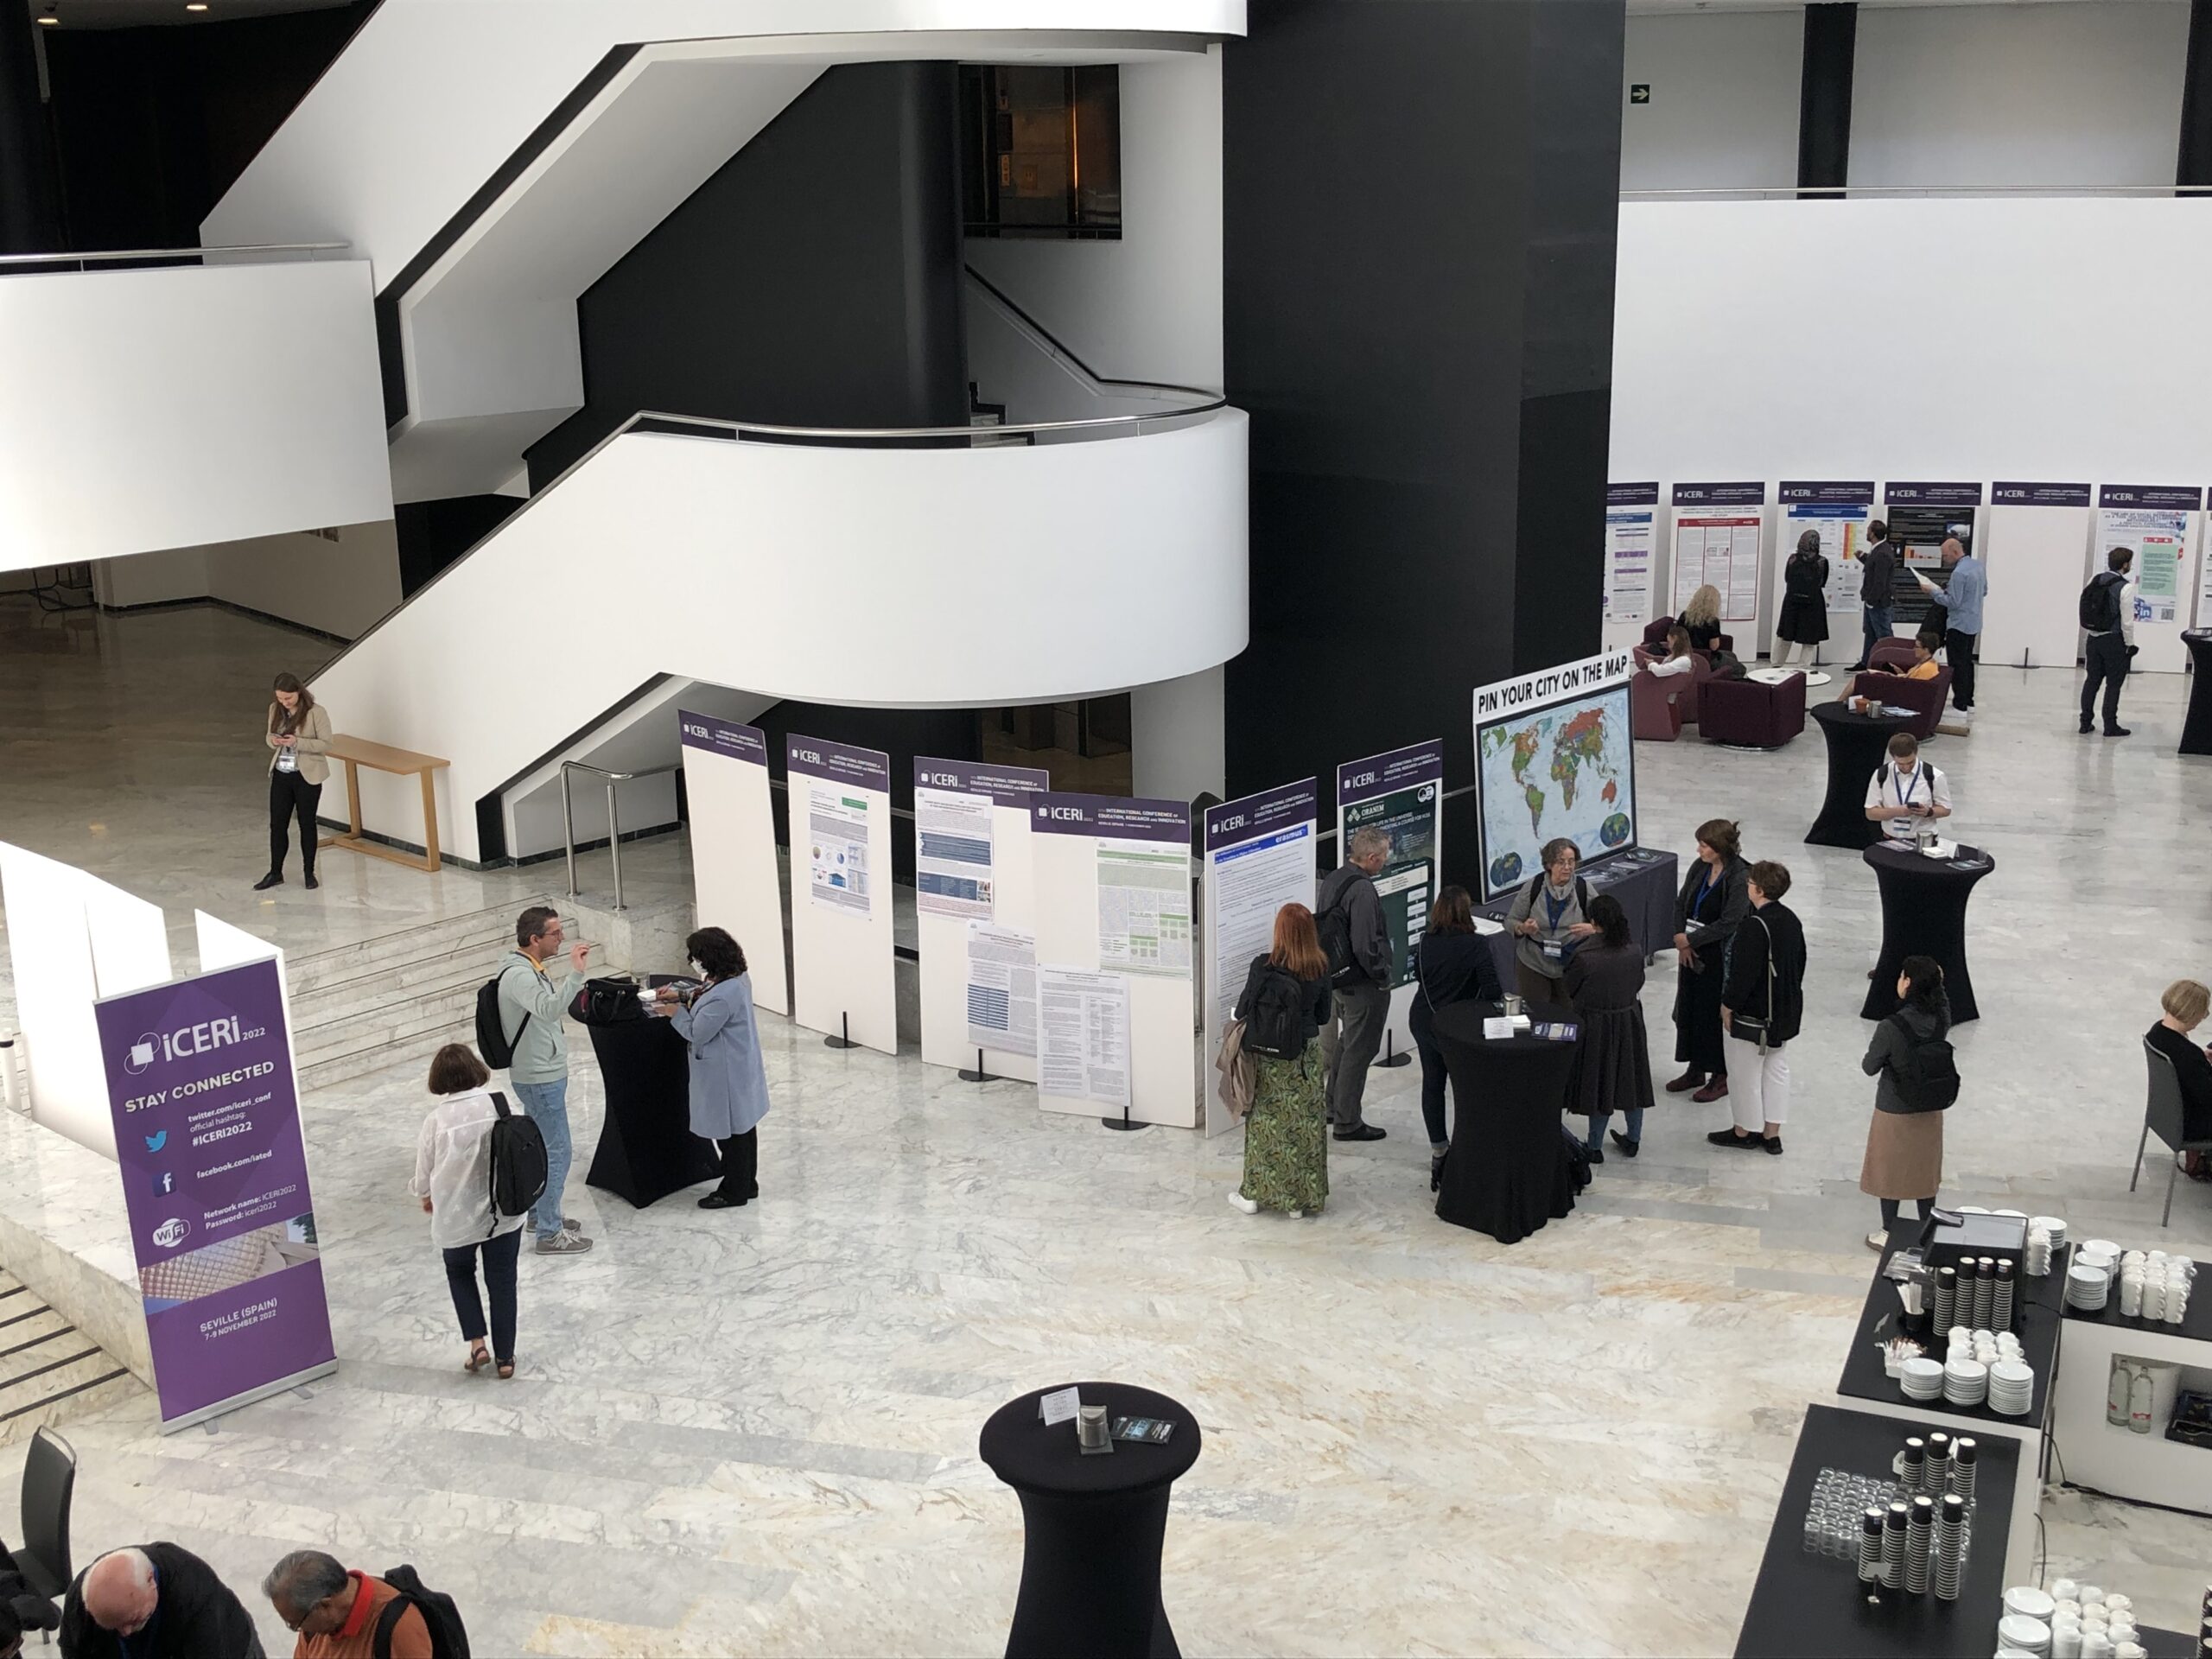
(164, 1183)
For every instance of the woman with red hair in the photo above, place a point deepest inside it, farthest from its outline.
(1284, 1004)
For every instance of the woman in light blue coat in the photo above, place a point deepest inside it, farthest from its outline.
(729, 1088)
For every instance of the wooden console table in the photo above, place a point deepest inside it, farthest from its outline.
(359, 752)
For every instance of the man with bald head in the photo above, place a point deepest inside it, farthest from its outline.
(155, 1602)
(1958, 602)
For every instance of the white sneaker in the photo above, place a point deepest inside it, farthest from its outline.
(1248, 1205)
(1878, 1241)
(1298, 1215)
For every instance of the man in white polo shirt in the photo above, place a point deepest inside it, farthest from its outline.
(1905, 792)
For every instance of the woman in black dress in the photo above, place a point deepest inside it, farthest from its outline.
(1452, 963)
(1804, 619)
(1713, 901)
(1612, 1058)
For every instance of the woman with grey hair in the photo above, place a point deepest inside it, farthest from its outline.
(1550, 918)
(1804, 619)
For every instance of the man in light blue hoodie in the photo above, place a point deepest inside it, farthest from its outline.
(531, 1003)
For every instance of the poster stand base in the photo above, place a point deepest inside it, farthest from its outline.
(1390, 1056)
(844, 1039)
(979, 1075)
(1124, 1122)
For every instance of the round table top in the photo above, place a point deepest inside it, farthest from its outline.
(1462, 1022)
(1028, 1455)
(1839, 713)
(1886, 858)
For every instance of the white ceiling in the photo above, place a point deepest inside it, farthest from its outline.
(131, 13)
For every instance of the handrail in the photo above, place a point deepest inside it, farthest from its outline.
(1765, 190)
(99, 255)
(1060, 346)
(614, 821)
(742, 429)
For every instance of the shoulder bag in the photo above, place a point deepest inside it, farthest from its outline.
(1754, 1026)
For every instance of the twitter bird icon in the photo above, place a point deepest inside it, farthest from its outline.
(155, 1143)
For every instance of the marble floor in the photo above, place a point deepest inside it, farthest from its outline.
(755, 1431)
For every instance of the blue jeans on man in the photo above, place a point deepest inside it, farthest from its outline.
(1876, 624)
(548, 1106)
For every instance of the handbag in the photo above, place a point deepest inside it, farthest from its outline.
(610, 1001)
(1755, 1025)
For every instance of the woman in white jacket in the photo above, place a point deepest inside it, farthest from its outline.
(453, 1178)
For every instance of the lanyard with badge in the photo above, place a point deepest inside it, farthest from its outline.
(1906, 783)
(1556, 950)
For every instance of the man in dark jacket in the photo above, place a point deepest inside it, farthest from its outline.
(21, 1608)
(167, 1600)
(1363, 984)
(1761, 1007)
(1876, 586)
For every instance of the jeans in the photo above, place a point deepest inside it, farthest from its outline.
(1349, 1044)
(548, 1106)
(1958, 651)
(1876, 623)
(1890, 1211)
(1631, 1127)
(289, 794)
(499, 1256)
(2107, 654)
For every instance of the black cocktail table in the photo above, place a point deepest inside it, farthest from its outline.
(1857, 745)
(1093, 1526)
(1508, 1172)
(1923, 914)
(646, 1149)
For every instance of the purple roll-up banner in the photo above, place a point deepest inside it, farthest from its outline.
(1632, 495)
(1256, 817)
(1751, 492)
(1006, 785)
(1832, 492)
(746, 743)
(2150, 495)
(206, 1110)
(1379, 774)
(1932, 495)
(838, 763)
(2004, 494)
(1112, 817)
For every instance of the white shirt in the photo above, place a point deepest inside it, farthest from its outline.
(1671, 667)
(1923, 786)
(453, 1169)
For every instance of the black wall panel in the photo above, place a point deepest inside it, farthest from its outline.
(433, 534)
(1420, 198)
(815, 280)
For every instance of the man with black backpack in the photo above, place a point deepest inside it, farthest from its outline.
(525, 1036)
(2108, 616)
(1349, 918)
(341, 1615)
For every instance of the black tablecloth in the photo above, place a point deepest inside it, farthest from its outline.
(1508, 1171)
(646, 1149)
(1857, 745)
(1643, 882)
(1923, 914)
(1093, 1526)
(1809, 1606)
(2197, 730)
(2036, 1321)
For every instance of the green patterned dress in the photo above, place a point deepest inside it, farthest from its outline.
(1286, 1134)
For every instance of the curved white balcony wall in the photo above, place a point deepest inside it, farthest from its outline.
(958, 577)
(173, 408)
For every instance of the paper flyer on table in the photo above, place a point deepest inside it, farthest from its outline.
(836, 834)
(1002, 988)
(953, 854)
(1083, 1036)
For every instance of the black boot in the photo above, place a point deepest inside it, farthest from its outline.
(274, 879)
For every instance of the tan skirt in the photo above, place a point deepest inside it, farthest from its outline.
(1904, 1155)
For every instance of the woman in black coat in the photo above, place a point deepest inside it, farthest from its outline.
(1612, 1058)
(1452, 963)
(1804, 619)
(1713, 901)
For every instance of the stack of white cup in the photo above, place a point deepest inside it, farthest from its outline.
(2087, 1623)
(2155, 1286)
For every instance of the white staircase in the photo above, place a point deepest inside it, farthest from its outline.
(49, 1370)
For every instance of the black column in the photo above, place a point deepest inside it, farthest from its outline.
(2194, 165)
(30, 214)
(1824, 95)
(1420, 199)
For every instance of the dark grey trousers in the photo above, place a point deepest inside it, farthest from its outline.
(1349, 1046)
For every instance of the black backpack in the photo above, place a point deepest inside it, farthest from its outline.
(1334, 927)
(519, 1167)
(449, 1635)
(2100, 601)
(1927, 1073)
(491, 1039)
(1581, 893)
(1275, 1020)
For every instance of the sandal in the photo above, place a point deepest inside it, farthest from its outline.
(478, 1357)
(506, 1370)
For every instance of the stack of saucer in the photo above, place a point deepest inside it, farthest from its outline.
(1966, 1383)
(2087, 1287)
(2055, 1226)
(2011, 1387)
(1923, 1379)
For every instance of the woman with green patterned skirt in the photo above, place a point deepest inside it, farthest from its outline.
(1285, 1000)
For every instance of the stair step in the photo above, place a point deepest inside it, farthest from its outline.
(349, 1065)
(447, 934)
(451, 1009)
(49, 1370)
(466, 968)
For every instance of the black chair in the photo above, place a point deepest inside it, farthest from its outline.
(49, 1484)
(2163, 1117)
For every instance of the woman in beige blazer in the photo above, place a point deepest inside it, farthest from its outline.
(298, 737)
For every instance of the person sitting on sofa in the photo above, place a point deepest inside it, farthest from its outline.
(1925, 645)
(1679, 658)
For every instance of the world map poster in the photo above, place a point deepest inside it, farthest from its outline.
(1563, 771)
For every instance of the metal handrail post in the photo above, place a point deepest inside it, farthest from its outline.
(569, 828)
(615, 841)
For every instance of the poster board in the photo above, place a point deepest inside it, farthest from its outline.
(1914, 509)
(1401, 793)
(736, 876)
(1718, 529)
(2160, 523)
(1554, 758)
(843, 981)
(975, 914)
(1838, 511)
(2035, 545)
(205, 1102)
(1632, 557)
(1258, 856)
(1114, 952)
